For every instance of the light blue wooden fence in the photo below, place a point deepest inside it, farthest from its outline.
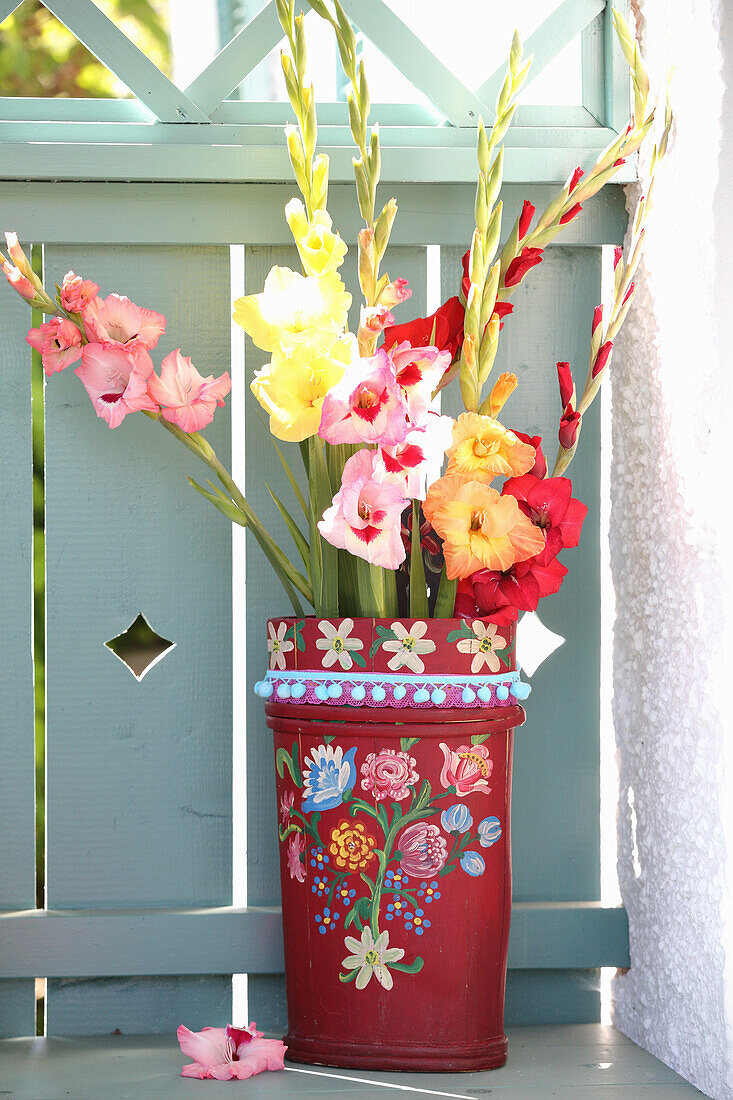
(139, 932)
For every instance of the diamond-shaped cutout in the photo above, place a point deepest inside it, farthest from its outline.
(139, 647)
(535, 642)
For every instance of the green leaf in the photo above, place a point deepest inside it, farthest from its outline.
(301, 543)
(358, 659)
(418, 587)
(324, 557)
(446, 601)
(352, 974)
(407, 742)
(407, 968)
(284, 759)
(286, 467)
(479, 738)
(463, 631)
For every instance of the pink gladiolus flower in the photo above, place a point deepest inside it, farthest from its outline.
(423, 850)
(117, 320)
(395, 292)
(296, 848)
(466, 768)
(418, 371)
(365, 516)
(116, 380)
(20, 284)
(58, 341)
(222, 1053)
(389, 773)
(367, 406)
(416, 463)
(376, 318)
(187, 399)
(77, 293)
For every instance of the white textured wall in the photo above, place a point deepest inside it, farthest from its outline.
(670, 500)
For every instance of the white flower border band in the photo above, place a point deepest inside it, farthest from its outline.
(377, 690)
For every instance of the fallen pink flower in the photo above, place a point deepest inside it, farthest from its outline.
(367, 406)
(116, 380)
(76, 293)
(186, 398)
(365, 515)
(117, 320)
(224, 1053)
(58, 341)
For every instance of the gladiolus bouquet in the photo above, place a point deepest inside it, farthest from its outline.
(363, 407)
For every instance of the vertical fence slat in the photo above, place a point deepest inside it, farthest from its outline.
(556, 795)
(139, 774)
(266, 598)
(17, 781)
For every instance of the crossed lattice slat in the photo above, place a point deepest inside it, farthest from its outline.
(398, 42)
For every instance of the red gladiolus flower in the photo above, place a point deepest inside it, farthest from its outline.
(467, 608)
(565, 379)
(569, 424)
(570, 214)
(550, 505)
(575, 179)
(521, 264)
(521, 587)
(525, 219)
(540, 462)
(443, 329)
(602, 358)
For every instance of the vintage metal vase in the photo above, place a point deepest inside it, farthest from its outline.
(393, 750)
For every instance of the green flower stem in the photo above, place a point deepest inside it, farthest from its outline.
(311, 829)
(414, 814)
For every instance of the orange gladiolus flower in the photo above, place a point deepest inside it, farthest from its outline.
(483, 449)
(480, 529)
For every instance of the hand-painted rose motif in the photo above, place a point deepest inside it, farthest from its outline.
(371, 958)
(389, 773)
(457, 818)
(489, 831)
(473, 864)
(338, 644)
(483, 644)
(467, 769)
(296, 850)
(327, 773)
(351, 846)
(278, 645)
(423, 849)
(407, 647)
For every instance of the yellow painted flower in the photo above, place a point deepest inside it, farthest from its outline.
(291, 303)
(351, 846)
(483, 448)
(480, 529)
(291, 387)
(321, 249)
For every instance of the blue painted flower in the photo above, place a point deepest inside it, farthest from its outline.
(320, 887)
(326, 920)
(327, 774)
(416, 920)
(429, 891)
(395, 880)
(473, 864)
(398, 907)
(456, 819)
(344, 894)
(319, 859)
(489, 831)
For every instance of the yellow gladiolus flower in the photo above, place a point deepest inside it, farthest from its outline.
(291, 388)
(321, 249)
(483, 448)
(291, 303)
(480, 529)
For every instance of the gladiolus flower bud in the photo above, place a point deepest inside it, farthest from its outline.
(567, 389)
(16, 253)
(504, 387)
(525, 219)
(469, 351)
(18, 281)
(569, 425)
(395, 292)
(570, 214)
(617, 254)
(575, 179)
(375, 318)
(521, 264)
(597, 318)
(629, 292)
(602, 358)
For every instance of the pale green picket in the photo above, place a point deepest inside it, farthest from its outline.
(17, 813)
(138, 774)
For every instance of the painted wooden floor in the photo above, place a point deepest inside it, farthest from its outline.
(579, 1062)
